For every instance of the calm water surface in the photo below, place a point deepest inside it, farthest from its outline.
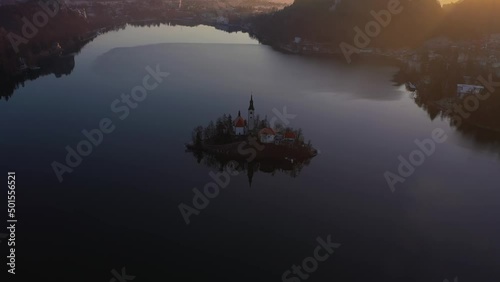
(119, 208)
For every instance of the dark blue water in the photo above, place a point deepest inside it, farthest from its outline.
(119, 207)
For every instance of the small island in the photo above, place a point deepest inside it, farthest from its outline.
(251, 139)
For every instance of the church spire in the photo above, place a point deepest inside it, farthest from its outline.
(251, 119)
(251, 108)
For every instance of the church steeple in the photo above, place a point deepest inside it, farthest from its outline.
(251, 119)
(251, 104)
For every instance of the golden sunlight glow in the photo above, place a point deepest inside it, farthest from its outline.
(448, 1)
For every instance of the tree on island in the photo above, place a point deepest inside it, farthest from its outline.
(197, 136)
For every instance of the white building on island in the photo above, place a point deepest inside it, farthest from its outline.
(240, 125)
(267, 135)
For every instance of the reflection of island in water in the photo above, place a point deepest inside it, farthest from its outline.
(272, 167)
(251, 145)
(461, 91)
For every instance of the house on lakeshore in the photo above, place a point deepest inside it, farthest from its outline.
(496, 68)
(465, 89)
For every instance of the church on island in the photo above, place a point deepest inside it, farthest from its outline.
(265, 134)
(242, 126)
(224, 138)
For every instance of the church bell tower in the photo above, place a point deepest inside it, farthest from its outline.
(251, 118)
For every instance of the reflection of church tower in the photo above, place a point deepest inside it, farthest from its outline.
(251, 119)
(250, 172)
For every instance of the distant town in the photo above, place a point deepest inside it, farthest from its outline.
(447, 67)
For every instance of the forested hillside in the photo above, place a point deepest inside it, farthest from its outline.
(333, 21)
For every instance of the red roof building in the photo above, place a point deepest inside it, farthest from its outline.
(267, 135)
(239, 122)
(290, 135)
(239, 125)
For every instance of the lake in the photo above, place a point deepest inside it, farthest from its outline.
(120, 206)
